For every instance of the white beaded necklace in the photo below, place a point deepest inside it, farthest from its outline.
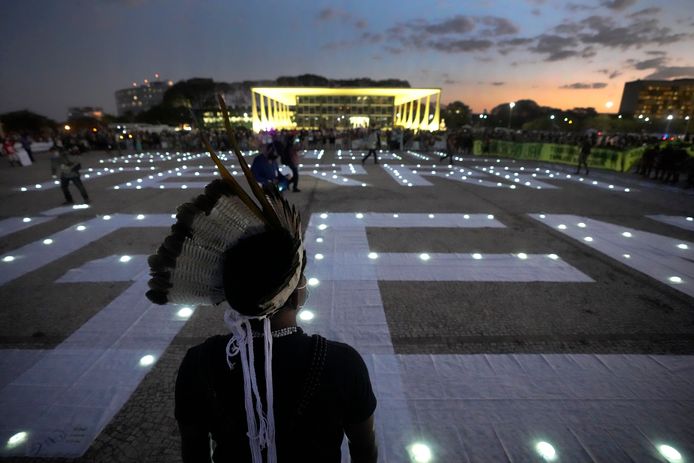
(279, 333)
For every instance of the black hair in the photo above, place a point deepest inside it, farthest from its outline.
(256, 268)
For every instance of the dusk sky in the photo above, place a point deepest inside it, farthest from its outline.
(60, 53)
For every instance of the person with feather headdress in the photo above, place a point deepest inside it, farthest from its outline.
(267, 391)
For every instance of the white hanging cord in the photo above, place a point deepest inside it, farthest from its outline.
(271, 451)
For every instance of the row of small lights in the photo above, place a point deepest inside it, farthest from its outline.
(589, 239)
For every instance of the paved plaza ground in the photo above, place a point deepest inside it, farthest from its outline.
(497, 303)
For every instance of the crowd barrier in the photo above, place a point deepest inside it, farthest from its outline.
(620, 161)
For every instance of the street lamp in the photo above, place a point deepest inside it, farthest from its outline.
(510, 111)
(669, 118)
(686, 130)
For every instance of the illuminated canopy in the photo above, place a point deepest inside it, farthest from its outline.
(273, 107)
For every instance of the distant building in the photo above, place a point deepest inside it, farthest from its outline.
(140, 98)
(81, 112)
(342, 108)
(658, 98)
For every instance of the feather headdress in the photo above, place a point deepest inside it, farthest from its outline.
(188, 268)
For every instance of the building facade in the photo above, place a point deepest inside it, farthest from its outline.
(139, 98)
(658, 98)
(343, 108)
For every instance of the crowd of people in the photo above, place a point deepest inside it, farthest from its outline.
(666, 164)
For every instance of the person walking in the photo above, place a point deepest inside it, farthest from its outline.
(583, 155)
(451, 147)
(69, 171)
(374, 143)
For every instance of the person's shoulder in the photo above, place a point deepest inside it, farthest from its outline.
(343, 353)
(204, 348)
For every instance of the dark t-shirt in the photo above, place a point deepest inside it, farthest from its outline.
(210, 396)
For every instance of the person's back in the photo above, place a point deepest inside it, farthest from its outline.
(311, 415)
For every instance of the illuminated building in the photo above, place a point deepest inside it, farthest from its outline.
(658, 98)
(342, 108)
(140, 98)
(84, 111)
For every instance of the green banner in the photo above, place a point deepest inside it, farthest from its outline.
(565, 154)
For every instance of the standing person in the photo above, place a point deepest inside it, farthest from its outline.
(451, 147)
(69, 172)
(265, 168)
(583, 155)
(26, 144)
(374, 142)
(9, 152)
(266, 391)
(290, 158)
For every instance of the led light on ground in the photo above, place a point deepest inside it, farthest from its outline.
(553, 256)
(466, 216)
(396, 216)
(106, 217)
(682, 246)
(626, 235)
(373, 255)
(670, 453)
(359, 215)
(26, 220)
(431, 216)
(81, 228)
(561, 226)
(140, 216)
(81, 206)
(17, 439)
(675, 279)
(420, 453)
(184, 312)
(319, 240)
(319, 256)
(546, 451)
(424, 256)
(125, 259)
(689, 219)
(581, 225)
(322, 226)
(477, 256)
(306, 315)
(626, 256)
(47, 241)
(313, 281)
(522, 255)
(588, 239)
(8, 258)
(490, 216)
(147, 360)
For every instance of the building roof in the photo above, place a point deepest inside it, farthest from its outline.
(287, 95)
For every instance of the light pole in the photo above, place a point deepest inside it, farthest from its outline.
(510, 112)
(669, 118)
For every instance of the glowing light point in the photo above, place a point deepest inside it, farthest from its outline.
(682, 246)
(81, 228)
(553, 256)
(420, 453)
(561, 226)
(8, 258)
(47, 241)
(477, 256)
(184, 312)
(17, 439)
(396, 215)
(319, 256)
(26, 220)
(546, 451)
(626, 235)
(675, 280)
(626, 256)
(324, 215)
(424, 256)
(106, 217)
(690, 219)
(147, 360)
(466, 217)
(124, 259)
(588, 239)
(581, 225)
(313, 281)
(522, 255)
(373, 255)
(670, 453)
(359, 215)
(140, 216)
(431, 216)
(23, 188)
(306, 315)
(490, 217)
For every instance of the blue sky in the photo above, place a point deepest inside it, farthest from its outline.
(61, 53)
